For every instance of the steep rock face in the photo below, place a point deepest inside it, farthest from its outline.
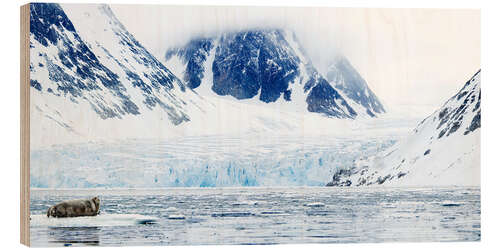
(444, 149)
(194, 54)
(63, 65)
(324, 99)
(264, 64)
(84, 54)
(349, 82)
(453, 115)
(250, 61)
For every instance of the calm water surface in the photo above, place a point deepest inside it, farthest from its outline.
(195, 216)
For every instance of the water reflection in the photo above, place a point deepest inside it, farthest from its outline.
(68, 236)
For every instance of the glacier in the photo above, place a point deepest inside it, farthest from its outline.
(207, 161)
(267, 148)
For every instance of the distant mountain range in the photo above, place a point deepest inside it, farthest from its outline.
(83, 56)
(270, 65)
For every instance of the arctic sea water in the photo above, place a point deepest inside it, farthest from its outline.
(259, 215)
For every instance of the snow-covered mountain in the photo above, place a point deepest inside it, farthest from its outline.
(269, 66)
(444, 149)
(91, 80)
(350, 83)
(90, 76)
(63, 65)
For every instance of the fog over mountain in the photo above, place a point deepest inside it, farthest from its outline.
(397, 51)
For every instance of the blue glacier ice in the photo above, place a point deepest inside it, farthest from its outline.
(197, 162)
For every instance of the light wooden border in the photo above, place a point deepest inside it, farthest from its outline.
(25, 124)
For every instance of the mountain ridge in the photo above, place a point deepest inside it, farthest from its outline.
(442, 150)
(349, 82)
(100, 63)
(268, 64)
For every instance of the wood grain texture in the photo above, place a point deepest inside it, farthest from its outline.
(25, 124)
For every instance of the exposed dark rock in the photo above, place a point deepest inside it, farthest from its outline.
(349, 81)
(261, 62)
(381, 180)
(337, 179)
(475, 124)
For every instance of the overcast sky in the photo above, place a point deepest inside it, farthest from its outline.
(407, 56)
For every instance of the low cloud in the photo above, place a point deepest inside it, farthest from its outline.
(407, 56)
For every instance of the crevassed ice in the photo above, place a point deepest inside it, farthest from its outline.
(198, 162)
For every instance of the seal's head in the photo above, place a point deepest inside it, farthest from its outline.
(97, 202)
(51, 212)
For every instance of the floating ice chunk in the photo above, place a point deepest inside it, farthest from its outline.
(245, 203)
(451, 205)
(232, 214)
(171, 209)
(102, 220)
(273, 213)
(146, 221)
(315, 204)
(176, 217)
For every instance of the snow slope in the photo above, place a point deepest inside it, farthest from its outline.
(444, 149)
(90, 78)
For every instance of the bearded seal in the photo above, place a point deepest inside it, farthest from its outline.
(75, 208)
